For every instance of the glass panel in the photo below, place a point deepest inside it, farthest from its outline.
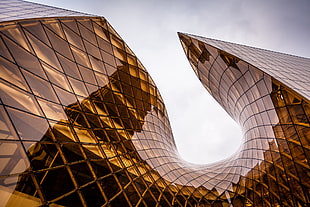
(12, 158)
(82, 173)
(52, 111)
(73, 38)
(64, 96)
(69, 67)
(7, 130)
(84, 136)
(16, 34)
(91, 88)
(80, 57)
(19, 99)
(70, 23)
(57, 77)
(86, 33)
(59, 44)
(25, 59)
(108, 58)
(11, 73)
(78, 87)
(102, 79)
(86, 22)
(53, 25)
(40, 87)
(63, 133)
(88, 75)
(101, 22)
(117, 42)
(110, 70)
(29, 127)
(36, 29)
(43, 52)
(105, 45)
(92, 50)
(4, 51)
(120, 54)
(93, 195)
(101, 32)
(53, 184)
(97, 64)
(132, 60)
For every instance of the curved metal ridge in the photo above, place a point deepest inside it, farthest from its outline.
(83, 124)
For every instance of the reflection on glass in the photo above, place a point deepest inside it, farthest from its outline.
(83, 124)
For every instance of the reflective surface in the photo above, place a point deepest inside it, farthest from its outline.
(19, 9)
(73, 95)
(272, 166)
(83, 124)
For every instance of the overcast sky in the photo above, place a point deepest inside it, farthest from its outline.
(204, 133)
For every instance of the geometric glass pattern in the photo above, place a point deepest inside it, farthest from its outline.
(83, 124)
(267, 94)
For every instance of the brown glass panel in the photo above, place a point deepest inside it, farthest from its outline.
(36, 29)
(73, 38)
(53, 184)
(97, 64)
(108, 58)
(70, 23)
(59, 44)
(29, 127)
(88, 75)
(24, 59)
(4, 52)
(80, 57)
(52, 110)
(85, 28)
(57, 78)
(54, 25)
(92, 50)
(40, 87)
(78, 87)
(93, 195)
(105, 45)
(17, 35)
(12, 158)
(43, 52)
(11, 73)
(69, 67)
(101, 32)
(19, 99)
(66, 98)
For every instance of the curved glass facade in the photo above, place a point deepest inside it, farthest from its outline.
(267, 93)
(83, 124)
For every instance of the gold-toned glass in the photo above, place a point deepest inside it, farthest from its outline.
(83, 124)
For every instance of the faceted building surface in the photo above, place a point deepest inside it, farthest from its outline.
(83, 124)
(268, 94)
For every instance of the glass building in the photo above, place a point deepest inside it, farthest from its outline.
(83, 124)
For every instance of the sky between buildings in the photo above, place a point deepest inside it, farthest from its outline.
(203, 132)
